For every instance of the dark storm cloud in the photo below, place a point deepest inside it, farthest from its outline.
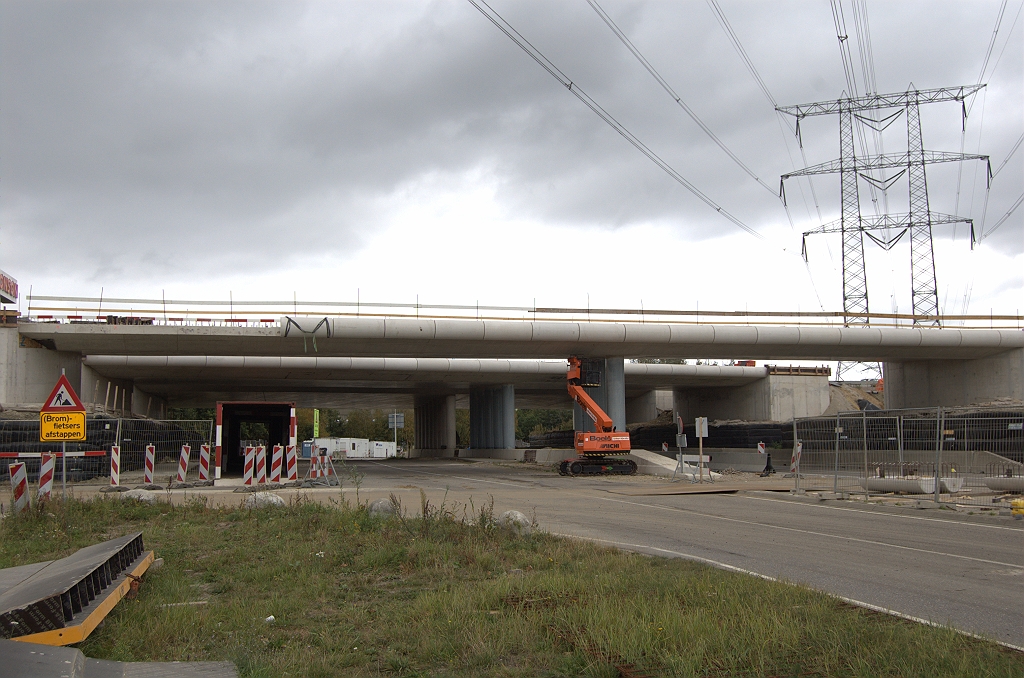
(153, 135)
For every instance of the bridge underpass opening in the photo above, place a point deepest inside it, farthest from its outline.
(279, 418)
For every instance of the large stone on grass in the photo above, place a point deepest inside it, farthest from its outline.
(382, 508)
(141, 495)
(515, 521)
(262, 500)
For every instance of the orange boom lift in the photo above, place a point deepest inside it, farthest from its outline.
(595, 451)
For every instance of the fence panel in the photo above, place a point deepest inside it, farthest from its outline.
(88, 461)
(969, 457)
(167, 438)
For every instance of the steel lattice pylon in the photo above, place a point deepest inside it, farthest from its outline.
(855, 280)
(854, 226)
(924, 287)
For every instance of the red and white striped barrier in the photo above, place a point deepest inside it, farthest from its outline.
(19, 486)
(291, 463)
(150, 471)
(186, 451)
(794, 461)
(320, 466)
(37, 455)
(275, 464)
(46, 465)
(115, 465)
(260, 464)
(204, 463)
(250, 454)
(217, 442)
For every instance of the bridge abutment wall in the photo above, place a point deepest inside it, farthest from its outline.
(953, 383)
(29, 370)
(777, 397)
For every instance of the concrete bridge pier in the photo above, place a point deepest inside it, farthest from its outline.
(434, 425)
(610, 396)
(492, 417)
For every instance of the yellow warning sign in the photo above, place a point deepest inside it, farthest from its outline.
(60, 426)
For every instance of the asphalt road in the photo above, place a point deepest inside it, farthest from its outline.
(933, 565)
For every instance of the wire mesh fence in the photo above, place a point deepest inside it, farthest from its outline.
(971, 457)
(89, 461)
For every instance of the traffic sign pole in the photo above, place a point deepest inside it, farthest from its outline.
(62, 418)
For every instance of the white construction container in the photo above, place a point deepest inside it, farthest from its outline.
(345, 448)
(383, 450)
(358, 448)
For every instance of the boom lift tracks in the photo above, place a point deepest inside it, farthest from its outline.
(595, 451)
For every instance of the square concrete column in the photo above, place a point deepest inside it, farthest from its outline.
(492, 417)
(434, 422)
(610, 396)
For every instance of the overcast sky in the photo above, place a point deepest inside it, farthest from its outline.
(197, 149)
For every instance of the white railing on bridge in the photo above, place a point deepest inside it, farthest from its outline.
(233, 313)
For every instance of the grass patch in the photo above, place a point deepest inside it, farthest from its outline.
(359, 595)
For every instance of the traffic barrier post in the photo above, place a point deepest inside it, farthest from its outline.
(204, 462)
(150, 468)
(291, 463)
(115, 465)
(186, 451)
(261, 464)
(250, 454)
(46, 466)
(275, 465)
(19, 486)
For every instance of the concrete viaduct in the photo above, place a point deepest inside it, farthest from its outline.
(492, 366)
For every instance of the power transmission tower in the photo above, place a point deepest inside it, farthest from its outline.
(853, 225)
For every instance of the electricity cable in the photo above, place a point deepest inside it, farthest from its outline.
(988, 51)
(1006, 42)
(1002, 220)
(723, 21)
(867, 65)
(967, 110)
(573, 88)
(839, 19)
(1009, 155)
(675, 96)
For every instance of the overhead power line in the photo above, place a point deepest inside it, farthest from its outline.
(672, 93)
(723, 21)
(738, 46)
(1002, 220)
(573, 88)
(1009, 34)
(1009, 155)
(991, 46)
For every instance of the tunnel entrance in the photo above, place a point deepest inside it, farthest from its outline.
(277, 418)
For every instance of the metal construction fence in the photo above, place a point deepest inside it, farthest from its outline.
(90, 460)
(964, 456)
